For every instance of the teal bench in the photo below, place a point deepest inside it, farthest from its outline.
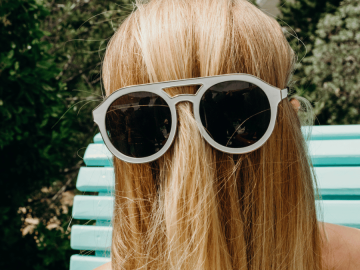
(335, 152)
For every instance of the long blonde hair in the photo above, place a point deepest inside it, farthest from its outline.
(195, 207)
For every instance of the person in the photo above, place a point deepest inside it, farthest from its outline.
(199, 208)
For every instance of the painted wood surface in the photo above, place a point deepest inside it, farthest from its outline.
(86, 262)
(85, 237)
(335, 152)
(322, 152)
(332, 180)
(88, 237)
(95, 179)
(331, 132)
(101, 208)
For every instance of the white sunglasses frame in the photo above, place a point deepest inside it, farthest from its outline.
(274, 95)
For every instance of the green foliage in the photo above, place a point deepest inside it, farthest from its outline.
(334, 67)
(32, 153)
(303, 15)
(47, 51)
(327, 74)
(300, 18)
(25, 64)
(29, 103)
(79, 33)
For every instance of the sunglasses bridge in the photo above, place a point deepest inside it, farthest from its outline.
(183, 97)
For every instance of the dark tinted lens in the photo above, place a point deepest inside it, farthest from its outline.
(138, 124)
(235, 113)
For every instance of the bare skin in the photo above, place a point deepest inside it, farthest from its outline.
(296, 104)
(342, 252)
(106, 266)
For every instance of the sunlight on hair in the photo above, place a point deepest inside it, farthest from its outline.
(195, 207)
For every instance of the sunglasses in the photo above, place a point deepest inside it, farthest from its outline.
(235, 114)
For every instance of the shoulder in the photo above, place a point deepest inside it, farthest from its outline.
(106, 266)
(342, 251)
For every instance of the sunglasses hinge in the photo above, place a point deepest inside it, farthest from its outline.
(284, 92)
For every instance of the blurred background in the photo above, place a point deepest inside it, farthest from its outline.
(50, 59)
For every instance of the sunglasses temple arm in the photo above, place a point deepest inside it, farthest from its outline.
(284, 93)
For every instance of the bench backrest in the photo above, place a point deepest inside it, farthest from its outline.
(335, 153)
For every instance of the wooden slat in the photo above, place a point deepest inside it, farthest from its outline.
(101, 207)
(98, 155)
(330, 132)
(98, 138)
(334, 132)
(335, 152)
(345, 213)
(96, 179)
(329, 146)
(99, 237)
(85, 262)
(93, 207)
(87, 237)
(323, 153)
(338, 180)
(332, 180)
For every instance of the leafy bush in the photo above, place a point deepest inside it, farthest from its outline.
(47, 50)
(334, 67)
(31, 100)
(300, 18)
(328, 56)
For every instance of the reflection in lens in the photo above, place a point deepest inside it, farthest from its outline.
(138, 124)
(235, 114)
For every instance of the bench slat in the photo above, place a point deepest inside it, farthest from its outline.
(98, 138)
(334, 132)
(340, 212)
(93, 207)
(329, 146)
(332, 180)
(86, 262)
(101, 207)
(338, 180)
(323, 153)
(87, 237)
(335, 152)
(98, 155)
(331, 132)
(96, 179)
